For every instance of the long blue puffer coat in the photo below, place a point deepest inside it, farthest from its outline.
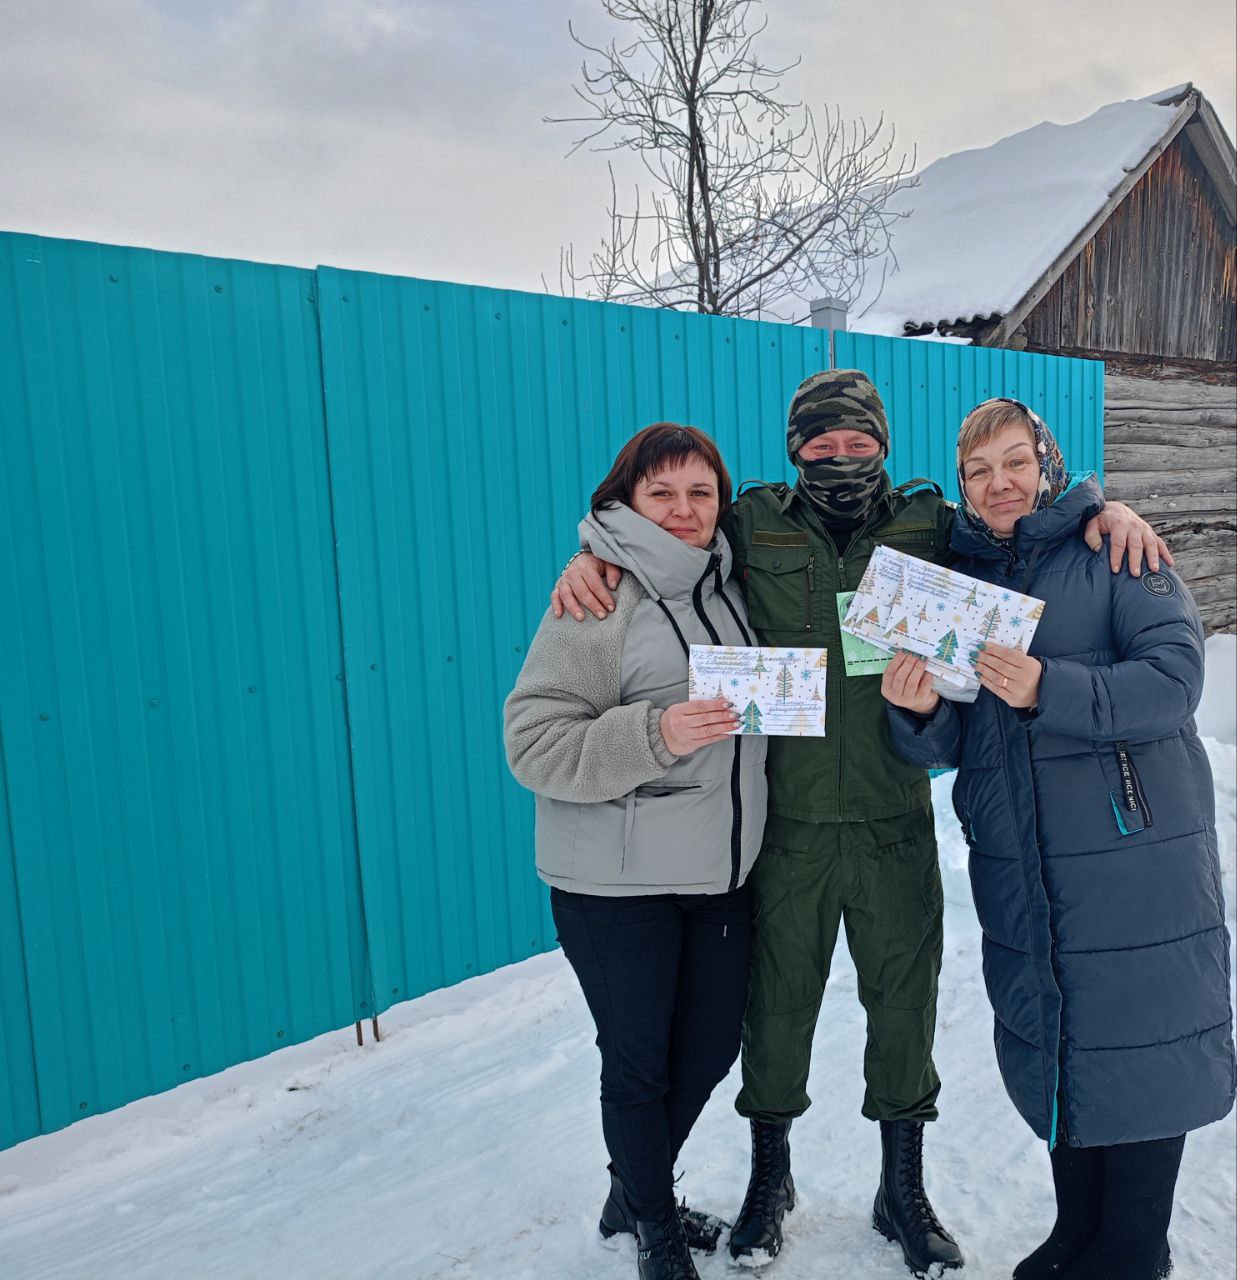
(1093, 859)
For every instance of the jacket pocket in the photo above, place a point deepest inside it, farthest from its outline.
(780, 587)
(1126, 795)
(913, 540)
(677, 836)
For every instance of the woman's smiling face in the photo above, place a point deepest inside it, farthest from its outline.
(683, 500)
(1001, 477)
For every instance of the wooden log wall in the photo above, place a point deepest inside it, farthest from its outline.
(1159, 278)
(1170, 451)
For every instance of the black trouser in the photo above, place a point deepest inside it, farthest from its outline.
(665, 977)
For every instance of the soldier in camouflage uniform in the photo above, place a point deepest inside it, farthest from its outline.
(850, 839)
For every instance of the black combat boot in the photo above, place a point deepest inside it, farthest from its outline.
(1132, 1242)
(702, 1230)
(662, 1252)
(757, 1235)
(902, 1212)
(1078, 1178)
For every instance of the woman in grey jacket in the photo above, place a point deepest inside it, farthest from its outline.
(650, 812)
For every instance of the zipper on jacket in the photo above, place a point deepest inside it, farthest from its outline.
(736, 797)
(811, 589)
(1131, 785)
(1060, 1128)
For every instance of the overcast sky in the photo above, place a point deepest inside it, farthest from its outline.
(407, 136)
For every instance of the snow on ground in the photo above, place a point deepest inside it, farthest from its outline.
(467, 1144)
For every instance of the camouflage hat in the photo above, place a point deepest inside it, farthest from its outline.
(835, 400)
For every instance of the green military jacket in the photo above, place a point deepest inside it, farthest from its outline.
(791, 573)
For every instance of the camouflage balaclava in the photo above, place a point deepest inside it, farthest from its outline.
(843, 490)
(1053, 476)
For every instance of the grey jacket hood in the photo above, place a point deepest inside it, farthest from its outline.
(665, 566)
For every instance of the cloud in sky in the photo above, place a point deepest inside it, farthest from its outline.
(407, 135)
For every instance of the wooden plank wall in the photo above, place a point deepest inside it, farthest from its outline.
(1170, 451)
(1158, 278)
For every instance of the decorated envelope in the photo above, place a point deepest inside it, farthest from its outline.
(860, 657)
(907, 603)
(777, 692)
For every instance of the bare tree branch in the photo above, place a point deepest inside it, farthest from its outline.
(752, 208)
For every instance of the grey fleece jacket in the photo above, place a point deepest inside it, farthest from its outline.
(617, 813)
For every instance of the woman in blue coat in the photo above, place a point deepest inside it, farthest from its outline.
(1087, 804)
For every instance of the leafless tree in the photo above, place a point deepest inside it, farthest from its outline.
(752, 207)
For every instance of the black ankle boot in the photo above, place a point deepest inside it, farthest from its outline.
(757, 1234)
(1078, 1178)
(1132, 1242)
(662, 1252)
(902, 1212)
(702, 1230)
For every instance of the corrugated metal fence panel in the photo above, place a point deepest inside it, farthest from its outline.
(929, 387)
(19, 1094)
(174, 729)
(184, 880)
(467, 429)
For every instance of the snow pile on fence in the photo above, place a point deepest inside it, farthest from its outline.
(467, 1144)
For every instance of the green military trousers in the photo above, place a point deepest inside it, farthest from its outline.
(881, 879)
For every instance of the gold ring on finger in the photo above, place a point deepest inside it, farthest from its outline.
(1005, 682)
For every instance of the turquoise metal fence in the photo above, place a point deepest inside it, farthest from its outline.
(175, 750)
(928, 388)
(19, 1092)
(277, 540)
(467, 428)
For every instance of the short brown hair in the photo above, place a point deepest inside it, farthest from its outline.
(664, 444)
(989, 419)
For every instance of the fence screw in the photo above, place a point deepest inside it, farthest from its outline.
(219, 288)
(44, 716)
(115, 279)
(154, 702)
(253, 688)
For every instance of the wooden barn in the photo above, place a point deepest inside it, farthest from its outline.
(1111, 238)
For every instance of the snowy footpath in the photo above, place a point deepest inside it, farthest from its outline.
(467, 1144)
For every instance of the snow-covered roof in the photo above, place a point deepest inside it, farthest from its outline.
(986, 225)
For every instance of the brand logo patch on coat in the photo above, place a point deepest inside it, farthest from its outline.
(1158, 584)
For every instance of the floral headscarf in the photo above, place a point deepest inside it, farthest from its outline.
(1053, 477)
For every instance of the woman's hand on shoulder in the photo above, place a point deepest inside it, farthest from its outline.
(688, 726)
(1011, 674)
(585, 583)
(907, 683)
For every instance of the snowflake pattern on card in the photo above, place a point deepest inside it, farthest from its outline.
(785, 688)
(906, 603)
